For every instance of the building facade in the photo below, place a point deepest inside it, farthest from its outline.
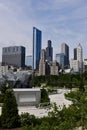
(28, 60)
(85, 65)
(77, 62)
(42, 63)
(74, 64)
(27, 97)
(75, 53)
(13, 55)
(49, 52)
(37, 40)
(60, 58)
(65, 50)
(80, 57)
(54, 68)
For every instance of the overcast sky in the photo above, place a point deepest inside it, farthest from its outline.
(59, 20)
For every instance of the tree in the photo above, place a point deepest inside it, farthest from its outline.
(27, 119)
(44, 96)
(9, 117)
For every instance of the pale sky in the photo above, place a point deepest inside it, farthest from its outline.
(59, 20)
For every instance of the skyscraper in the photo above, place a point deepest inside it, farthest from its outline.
(80, 56)
(77, 62)
(13, 55)
(49, 52)
(79, 53)
(65, 50)
(60, 58)
(37, 39)
(28, 60)
(42, 63)
(75, 53)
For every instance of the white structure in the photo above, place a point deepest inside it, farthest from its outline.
(74, 64)
(42, 64)
(77, 62)
(79, 53)
(80, 57)
(27, 97)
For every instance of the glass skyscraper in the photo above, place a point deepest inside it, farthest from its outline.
(28, 60)
(65, 50)
(49, 52)
(60, 58)
(37, 40)
(13, 55)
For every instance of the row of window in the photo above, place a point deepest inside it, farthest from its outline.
(10, 49)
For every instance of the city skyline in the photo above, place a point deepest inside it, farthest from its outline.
(59, 21)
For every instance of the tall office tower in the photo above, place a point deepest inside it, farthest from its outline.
(37, 39)
(79, 53)
(65, 50)
(49, 52)
(75, 53)
(80, 56)
(28, 60)
(13, 55)
(60, 58)
(42, 63)
(77, 62)
(54, 68)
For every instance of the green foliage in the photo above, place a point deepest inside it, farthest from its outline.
(3, 88)
(44, 96)
(27, 119)
(9, 117)
(27, 128)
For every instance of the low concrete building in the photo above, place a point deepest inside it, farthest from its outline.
(27, 97)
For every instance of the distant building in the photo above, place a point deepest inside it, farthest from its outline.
(74, 64)
(65, 50)
(85, 64)
(79, 53)
(13, 55)
(54, 68)
(28, 60)
(49, 52)
(37, 40)
(42, 63)
(80, 56)
(75, 53)
(60, 58)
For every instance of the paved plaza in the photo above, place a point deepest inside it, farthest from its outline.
(58, 98)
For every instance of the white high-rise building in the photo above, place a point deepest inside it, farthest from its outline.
(80, 56)
(42, 65)
(79, 53)
(77, 62)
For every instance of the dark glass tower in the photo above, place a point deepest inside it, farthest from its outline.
(37, 40)
(60, 58)
(75, 53)
(65, 50)
(49, 52)
(14, 55)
